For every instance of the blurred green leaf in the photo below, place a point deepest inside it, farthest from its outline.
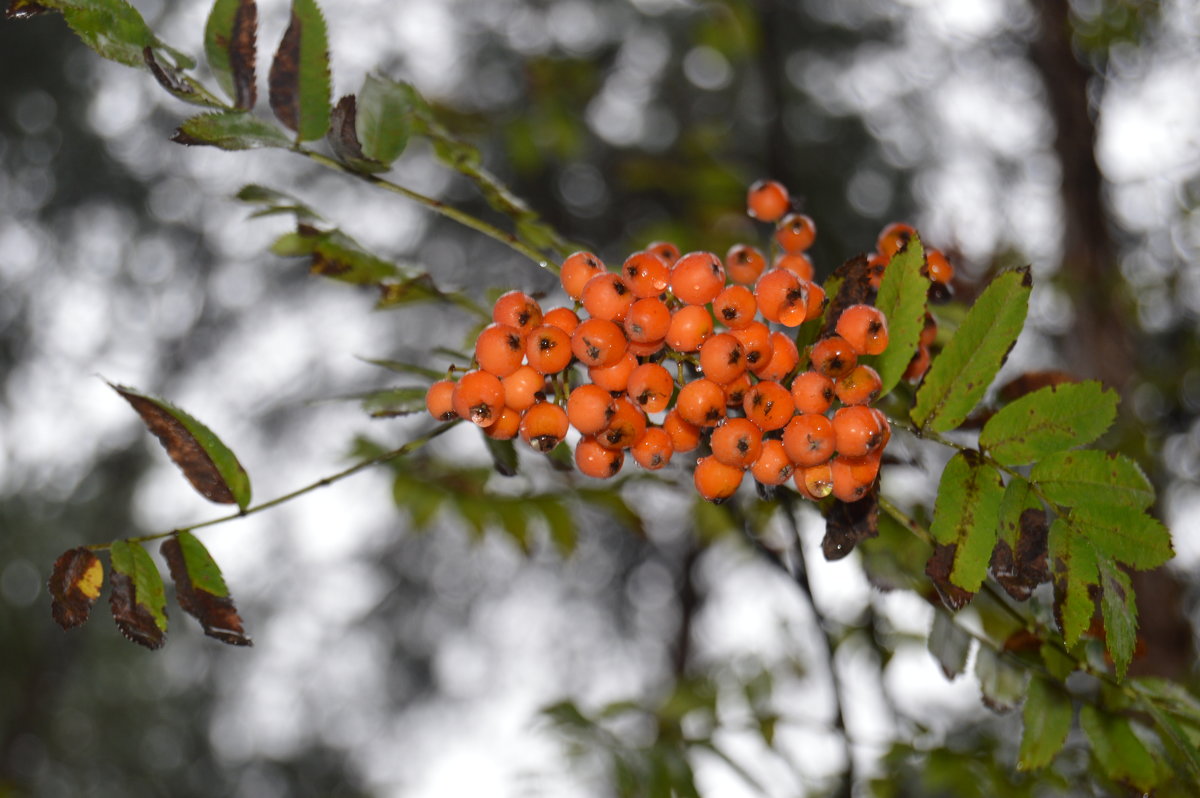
(1047, 716)
(1119, 610)
(949, 644)
(1117, 750)
(1002, 681)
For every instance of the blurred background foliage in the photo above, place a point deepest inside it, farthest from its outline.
(675, 660)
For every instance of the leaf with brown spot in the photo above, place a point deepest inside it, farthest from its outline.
(299, 79)
(343, 137)
(230, 44)
(848, 524)
(200, 589)
(75, 585)
(938, 569)
(177, 82)
(1019, 572)
(853, 282)
(207, 463)
(137, 600)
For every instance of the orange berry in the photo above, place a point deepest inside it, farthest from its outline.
(736, 390)
(650, 386)
(653, 450)
(853, 476)
(438, 400)
(625, 427)
(809, 439)
(722, 358)
(815, 482)
(893, 238)
(755, 338)
(523, 388)
(665, 250)
(701, 402)
(519, 310)
(784, 358)
(938, 266)
(607, 296)
(773, 466)
(564, 319)
(697, 278)
(647, 320)
(796, 262)
(735, 306)
(796, 233)
(646, 274)
(885, 425)
(858, 431)
(598, 342)
(614, 378)
(716, 481)
(876, 265)
(645, 348)
(816, 301)
(737, 442)
(479, 397)
(506, 426)
(690, 327)
(918, 365)
(548, 349)
(782, 293)
(929, 331)
(500, 349)
(860, 386)
(590, 408)
(685, 436)
(593, 460)
(812, 392)
(577, 270)
(767, 200)
(865, 328)
(744, 263)
(543, 426)
(769, 405)
(833, 356)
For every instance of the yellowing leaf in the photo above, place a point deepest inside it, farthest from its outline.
(75, 585)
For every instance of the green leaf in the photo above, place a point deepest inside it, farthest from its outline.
(504, 455)
(949, 644)
(1073, 563)
(384, 118)
(967, 515)
(617, 509)
(229, 44)
(960, 375)
(113, 28)
(902, 297)
(1049, 420)
(207, 463)
(1120, 615)
(230, 130)
(200, 589)
(1047, 716)
(1124, 533)
(137, 600)
(299, 81)
(560, 525)
(1091, 477)
(1002, 682)
(391, 402)
(1118, 752)
(1018, 497)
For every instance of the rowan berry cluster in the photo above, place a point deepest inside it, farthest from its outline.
(737, 387)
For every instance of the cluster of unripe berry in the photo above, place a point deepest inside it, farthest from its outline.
(737, 386)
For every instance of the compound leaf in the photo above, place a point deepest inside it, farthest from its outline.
(1047, 716)
(75, 585)
(967, 365)
(230, 130)
(1049, 420)
(207, 463)
(902, 297)
(137, 600)
(200, 589)
(299, 80)
(230, 44)
(1092, 477)
(967, 515)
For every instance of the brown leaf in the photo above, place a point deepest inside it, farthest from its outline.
(283, 80)
(24, 9)
(343, 132)
(938, 569)
(216, 614)
(133, 619)
(166, 77)
(1032, 381)
(855, 289)
(242, 53)
(182, 447)
(1020, 572)
(75, 585)
(848, 524)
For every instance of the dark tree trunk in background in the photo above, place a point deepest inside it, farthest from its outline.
(1101, 345)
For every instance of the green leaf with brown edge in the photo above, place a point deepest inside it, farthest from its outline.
(1117, 750)
(902, 298)
(230, 130)
(177, 82)
(299, 80)
(113, 28)
(1047, 715)
(137, 598)
(962, 372)
(75, 584)
(1123, 533)
(385, 118)
(230, 44)
(1091, 477)
(1002, 682)
(343, 138)
(1119, 610)
(200, 589)
(1075, 574)
(949, 644)
(967, 515)
(207, 463)
(1019, 559)
(1049, 420)
(938, 568)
